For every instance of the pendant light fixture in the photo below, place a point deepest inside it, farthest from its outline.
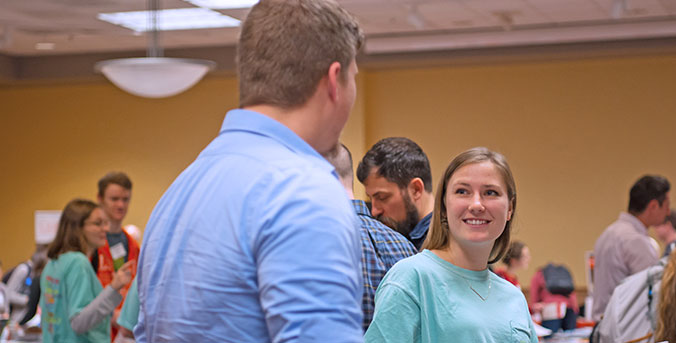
(154, 76)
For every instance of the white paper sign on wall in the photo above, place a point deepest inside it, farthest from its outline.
(46, 225)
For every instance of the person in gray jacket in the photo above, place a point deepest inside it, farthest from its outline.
(641, 308)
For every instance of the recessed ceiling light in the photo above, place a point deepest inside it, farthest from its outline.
(45, 46)
(171, 19)
(223, 4)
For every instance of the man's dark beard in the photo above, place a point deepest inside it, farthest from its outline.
(405, 226)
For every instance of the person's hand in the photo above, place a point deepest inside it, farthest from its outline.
(125, 332)
(122, 276)
(113, 321)
(537, 307)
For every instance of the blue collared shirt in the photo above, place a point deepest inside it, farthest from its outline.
(381, 248)
(419, 232)
(254, 242)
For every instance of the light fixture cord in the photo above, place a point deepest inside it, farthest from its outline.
(154, 49)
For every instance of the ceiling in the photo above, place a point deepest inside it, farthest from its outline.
(71, 28)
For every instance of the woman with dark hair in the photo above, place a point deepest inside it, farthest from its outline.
(516, 258)
(75, 307)
(446, 293)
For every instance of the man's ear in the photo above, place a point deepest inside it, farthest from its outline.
(333, 79)
(99, 198)
(416, 187)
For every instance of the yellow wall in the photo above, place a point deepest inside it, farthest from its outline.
(58, 140)
(577, 134)
(354, 134)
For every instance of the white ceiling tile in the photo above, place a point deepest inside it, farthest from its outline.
(375, 19)
(669, 6)
(73, 26)
(520, 12)
(570, 10)
(640, 8)
(452, 14)
(646, 8)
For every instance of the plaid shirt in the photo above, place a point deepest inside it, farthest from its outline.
(382, 247)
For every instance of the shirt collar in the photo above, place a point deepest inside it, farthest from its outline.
(360, 207)
(258, 123)
(635, 222)
(421, 228)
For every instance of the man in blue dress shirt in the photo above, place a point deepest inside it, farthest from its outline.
(381, 246)
(256, 240)
(396, 175)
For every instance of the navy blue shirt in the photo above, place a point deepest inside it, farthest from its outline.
(420, 230)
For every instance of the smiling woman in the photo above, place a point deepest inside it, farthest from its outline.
(95, 228)
(470, 194)
(477, 209)
(75, 308)
(447, 292)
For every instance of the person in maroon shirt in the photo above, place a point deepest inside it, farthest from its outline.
(540, 297)
(517, 258)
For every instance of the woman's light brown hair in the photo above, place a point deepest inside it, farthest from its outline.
(666, 311)
(438, 237)
(70, 234)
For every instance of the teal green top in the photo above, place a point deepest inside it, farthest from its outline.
(129, 315)
(68, 284)
(426, 299)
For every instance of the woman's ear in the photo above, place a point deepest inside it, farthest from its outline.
(511, 209)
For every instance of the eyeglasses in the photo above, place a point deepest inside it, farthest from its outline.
(99, 223)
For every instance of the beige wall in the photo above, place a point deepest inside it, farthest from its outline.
(58, 140)
(354, 134)
(577, 134)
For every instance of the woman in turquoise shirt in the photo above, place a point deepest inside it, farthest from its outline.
(75, 307)
(446, 293)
